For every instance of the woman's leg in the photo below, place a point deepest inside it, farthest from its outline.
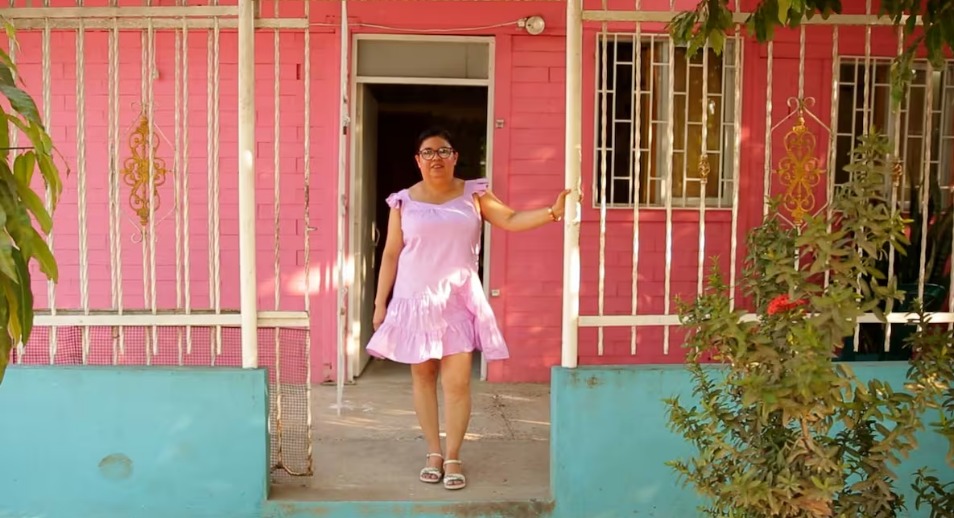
(455, 380)
(424, 380)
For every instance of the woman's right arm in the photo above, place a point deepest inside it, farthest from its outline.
(389, 265)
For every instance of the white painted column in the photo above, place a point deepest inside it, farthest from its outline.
(574, 159)
(246, 184)
(344, 123)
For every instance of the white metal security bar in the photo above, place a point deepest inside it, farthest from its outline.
(738, 17)
(624, 139)
(159, 17)
(150, 185)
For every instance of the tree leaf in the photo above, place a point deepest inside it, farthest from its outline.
(4, 353)
(783, 8)
(8, 69)
(6, 345)
(18, 220)
(4, 135)
(11, 31)
(717, 42)
(21, 102)
(52, 176)
(43, 256)
(35, 205)
(23, 171)
(7, 265)
(24, 292)
(23, 166)
(13, 322)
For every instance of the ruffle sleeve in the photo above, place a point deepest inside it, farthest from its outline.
(395, 200)
(478, 186)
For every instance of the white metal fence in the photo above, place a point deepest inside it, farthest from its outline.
(149, 236)
(687, 153)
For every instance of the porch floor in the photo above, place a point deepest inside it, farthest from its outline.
(374, 450)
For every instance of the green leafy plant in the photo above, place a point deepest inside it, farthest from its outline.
(780, 428)
(933, 364)
(933, 494)
(21, 208)
(712, 20)
(937, 220)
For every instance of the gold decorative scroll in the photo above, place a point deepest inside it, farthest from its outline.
(136, 171)
(897, 171)
(704, 169)
(799, 170)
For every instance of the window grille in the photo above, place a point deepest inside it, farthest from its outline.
(628, 166)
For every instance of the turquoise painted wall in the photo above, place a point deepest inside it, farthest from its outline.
(138, 442)
(610, 442)
(192, 443)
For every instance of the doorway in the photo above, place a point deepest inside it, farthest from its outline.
(389, 118)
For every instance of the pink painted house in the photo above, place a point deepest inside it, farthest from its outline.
(494, 72)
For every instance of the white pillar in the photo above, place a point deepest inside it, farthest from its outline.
(246, 183)
(342, 328)
(571, 225)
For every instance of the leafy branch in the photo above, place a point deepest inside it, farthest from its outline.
(779, 429)
(931, 29)
(21, 206)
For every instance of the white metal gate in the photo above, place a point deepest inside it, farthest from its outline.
(666, 176)
(142, 127)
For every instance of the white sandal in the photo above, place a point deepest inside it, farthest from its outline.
(431, 475)
(454, 480)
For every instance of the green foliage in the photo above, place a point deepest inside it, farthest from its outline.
(711, 21)
(780, 429)
(932, 493)
(933, 366)
(20, 206)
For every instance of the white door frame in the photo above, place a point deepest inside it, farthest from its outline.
(354, 80)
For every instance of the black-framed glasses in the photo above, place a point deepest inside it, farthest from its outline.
(429, 154)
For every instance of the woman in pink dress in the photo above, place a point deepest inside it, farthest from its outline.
(438, 314)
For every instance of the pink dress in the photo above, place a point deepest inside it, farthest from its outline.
(438, 306)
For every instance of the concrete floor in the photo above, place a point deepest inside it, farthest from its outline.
(374, 450)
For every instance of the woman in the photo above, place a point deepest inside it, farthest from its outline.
(438, 314)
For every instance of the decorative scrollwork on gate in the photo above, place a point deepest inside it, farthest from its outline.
(704, 169)
(137, 168)
(800, 171)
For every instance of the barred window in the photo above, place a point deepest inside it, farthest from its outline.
(852, 76)
(617, 134)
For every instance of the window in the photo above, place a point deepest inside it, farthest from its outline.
(620, 127)
(851, 109)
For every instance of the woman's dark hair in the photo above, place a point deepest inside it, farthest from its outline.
(434, 131)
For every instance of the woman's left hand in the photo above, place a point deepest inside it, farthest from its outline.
(559, 207)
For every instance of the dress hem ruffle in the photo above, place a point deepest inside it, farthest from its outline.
(432, 326)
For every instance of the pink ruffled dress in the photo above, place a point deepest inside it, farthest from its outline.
(438, 306)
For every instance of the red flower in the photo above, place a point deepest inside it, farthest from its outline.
(781, 303)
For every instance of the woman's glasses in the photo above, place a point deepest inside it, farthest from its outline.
(430, 154)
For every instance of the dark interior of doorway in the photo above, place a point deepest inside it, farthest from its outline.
(404, 111)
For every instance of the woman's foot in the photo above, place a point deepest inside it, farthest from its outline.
(453, 475)
(432, 473)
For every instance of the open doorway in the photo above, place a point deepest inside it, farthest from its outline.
(389, 119)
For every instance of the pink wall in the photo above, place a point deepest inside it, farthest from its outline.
(527, 167)
(291, 226)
